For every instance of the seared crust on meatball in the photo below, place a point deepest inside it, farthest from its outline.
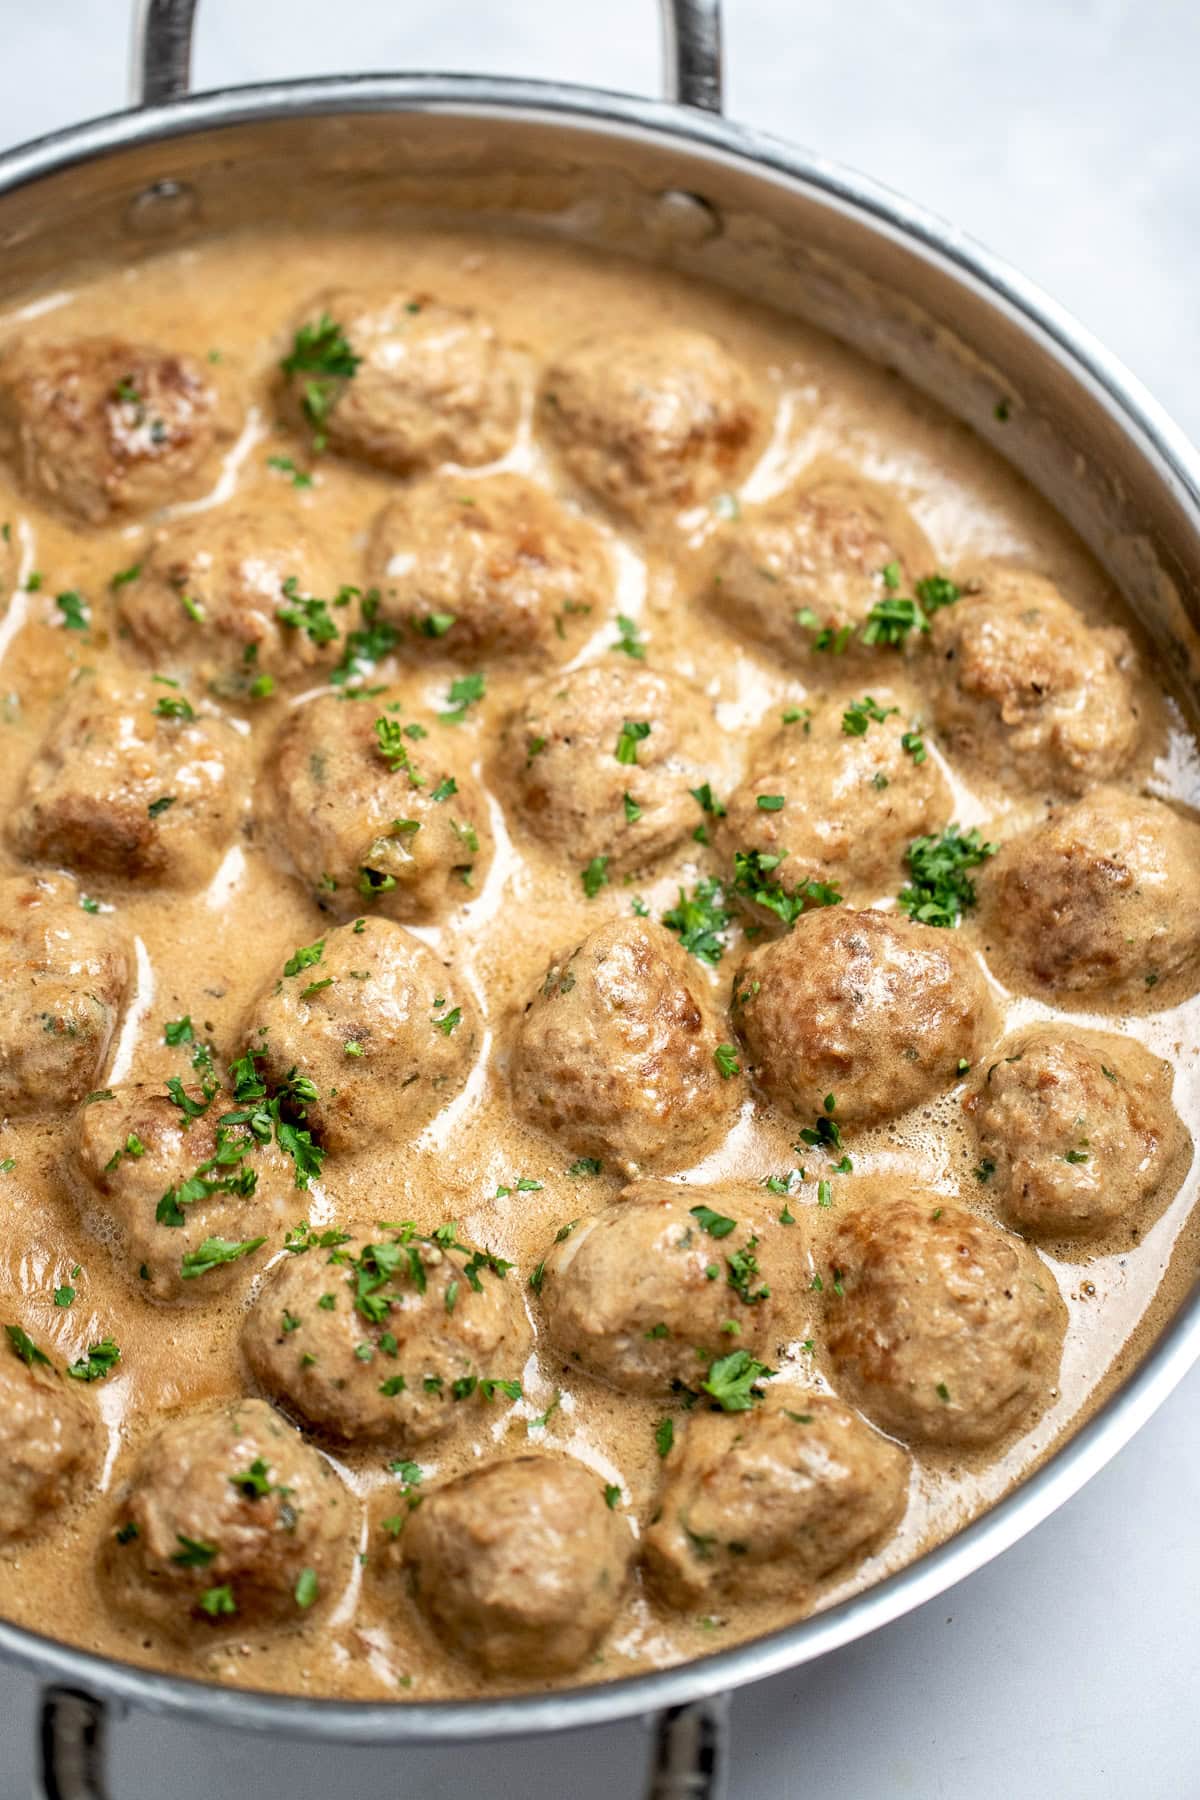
(520, 1565)
(670, 1271)
(651, 424)
(1027, 690)
(100, 428)
(801, 573)
(496, 567)
(778, 1496)
(616, 1053)
(230, 1522)
(215, 591)
(159, 1176)
(388, 1339)
(64, 975)
(1103, 897)
(133, 783)
(431, 383)
(49, 1445)
(943, 1328)
(382, 1028)
(402, 833)
(867, 1006)
(589, 779)
(1075, 1130)
(852, 800)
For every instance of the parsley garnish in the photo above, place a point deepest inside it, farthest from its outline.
(100, 1360)
(24, 1347)
(321, 350)
(859, 714)
(733, 1379)
(725, 1057)
(940, 890)
(629, 640)
(76, 614)
(463, 693)
(215, 1251)
(632, 733)
(595, 876)
(700, 921)
(754, 875)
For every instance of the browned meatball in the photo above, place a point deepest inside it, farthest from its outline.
(1104, 895)
(802, 573)
(100, 427)
(651, 423)
(159, 1173)
(1028, 690)
(671, 1275)
(378, 1023)
(64, 975)
(870, 1008)
(603, 761)
(617, 1052)
(229, 1521)
(1075, 1131)
(944, 1329)
(49, 1440)
(217, 593)
(430, 383)
(133, 783)
(389, 1339)
(772, 1499)
(487, 568)
(852, 799)
(519, 1566)
(401, 831)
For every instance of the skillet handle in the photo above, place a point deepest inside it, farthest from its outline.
(691, 40)
(691, 1751)
(73, 1730)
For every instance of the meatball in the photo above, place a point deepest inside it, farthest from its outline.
(617, 1052)
(226, 594)
(64, 975)
(402, 381)
(651, 423)
(1104, 895)
(781, 1495)
(802, 573)
(102, 428)
(862, 1013)
(944, 1329)
(1029, 691)
(49, 1442)
(519, 1565)
(669, 1275)
(852, 800)
(369, 822)
(384, 1031)
(387, 1340)
(187, 1198)
(229, 1520)
(603, 761)
(133, 783)
(496, 569)
(1075, 1132)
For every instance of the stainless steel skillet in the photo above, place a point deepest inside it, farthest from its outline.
(672, 182)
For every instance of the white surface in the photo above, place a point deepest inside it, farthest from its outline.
(1063, 133)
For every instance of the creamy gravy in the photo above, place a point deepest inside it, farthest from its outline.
(206, 954)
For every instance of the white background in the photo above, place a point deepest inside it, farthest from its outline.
(1065, 136)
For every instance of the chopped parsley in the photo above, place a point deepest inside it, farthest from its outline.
(755, 877)
(629, 641)
(158, 807)
(24, 1347)
(463, 693)
(664, 1436)
(214, 1252)
(322, 353)
(76, 614)
(725, 1057)
(733, 1380)
(939, 890)
(714, 1223)
(595, 876)
(700, 921)
(632, 733)
(858, 715)
(100, 1360)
